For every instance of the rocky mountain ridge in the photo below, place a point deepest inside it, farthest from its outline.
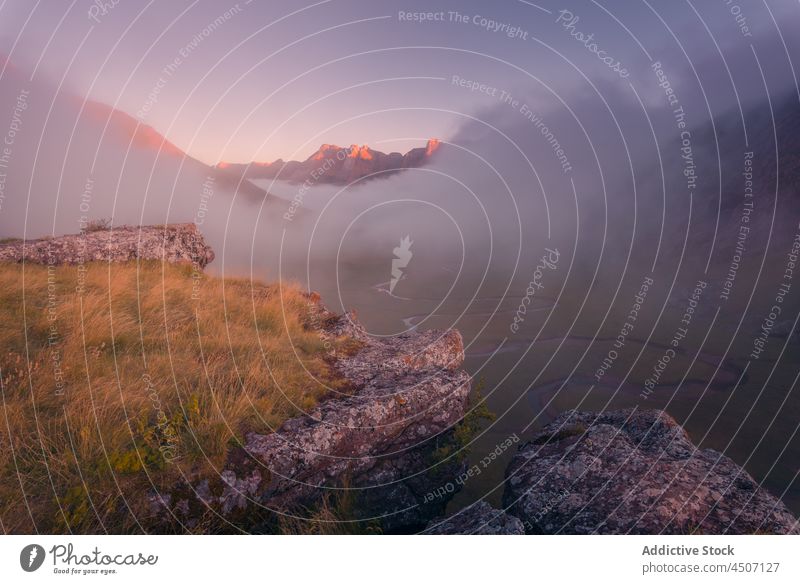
(337, 165)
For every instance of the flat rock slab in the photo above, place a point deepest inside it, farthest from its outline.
(178, 243)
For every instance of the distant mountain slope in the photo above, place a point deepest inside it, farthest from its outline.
(745, 209)
(769, 156)
(128, 130)
(333, 164)
(73, 160)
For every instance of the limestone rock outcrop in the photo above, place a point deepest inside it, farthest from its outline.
(377, 441)
(176, 243)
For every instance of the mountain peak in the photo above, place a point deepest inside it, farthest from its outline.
(325, 151)
(363, 152)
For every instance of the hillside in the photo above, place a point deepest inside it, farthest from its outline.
(119, 378)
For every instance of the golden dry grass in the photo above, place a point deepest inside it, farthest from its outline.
(149, 372)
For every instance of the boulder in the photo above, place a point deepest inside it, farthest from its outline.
(634, 471)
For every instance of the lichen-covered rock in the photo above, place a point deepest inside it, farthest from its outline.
(478, 519)
(409, 391)
(178, 243)
(378, 441)
(634, 471)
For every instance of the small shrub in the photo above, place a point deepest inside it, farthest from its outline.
(457, 442)
(103, 224)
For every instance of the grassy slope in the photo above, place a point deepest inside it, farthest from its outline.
(134, 381)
